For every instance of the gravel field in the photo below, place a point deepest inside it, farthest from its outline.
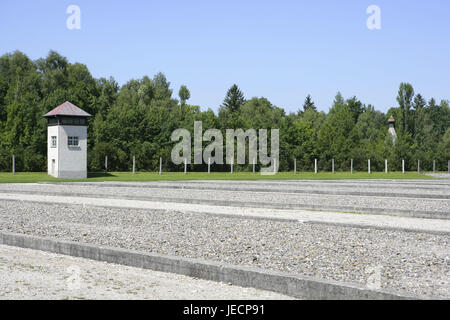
(270, 198)
(32, 274)
(374, 221)
(415, 263)
(376, 185)
(436, 191)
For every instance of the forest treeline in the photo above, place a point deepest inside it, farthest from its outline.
(139, 117)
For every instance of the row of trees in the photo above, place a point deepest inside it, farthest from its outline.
(139, 117)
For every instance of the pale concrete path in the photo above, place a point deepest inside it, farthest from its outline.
(32, 274)
(378, 221)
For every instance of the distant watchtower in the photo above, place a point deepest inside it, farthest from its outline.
(392, 129)
(67, 142)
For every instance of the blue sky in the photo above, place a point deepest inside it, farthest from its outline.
(282, 50)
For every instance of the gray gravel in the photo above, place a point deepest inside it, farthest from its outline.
(408, 262)
(418, 190)
(278, 199)
(438, 186)
(375, 221)
(33, 274)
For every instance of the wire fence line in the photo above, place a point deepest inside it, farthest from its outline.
(15, 164)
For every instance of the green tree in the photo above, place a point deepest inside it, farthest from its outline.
(309, 104)
(234, 99)
(162, 89)
(333, 137)
(356, 108)
(443, 151)
(259, 113)
(296, 142)
(404, 99)
(184, 94)
(420, 119)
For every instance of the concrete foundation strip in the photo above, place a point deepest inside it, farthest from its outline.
(248, 204)
(288, 284)
(309, 191)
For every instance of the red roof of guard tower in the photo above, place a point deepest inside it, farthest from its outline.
(67, 109)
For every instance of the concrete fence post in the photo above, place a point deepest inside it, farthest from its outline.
(274, 165)
(368, 166)
(295, 166)
(134, 164)
(434, 166)
(403, 166)
(106, 164)
(351, 166)
(315, 166)
(160, 166)
(332, 166)
(448, 166)
(13, 164)
(232, 163)
(418, 166)
(185, 165)
(254, 165)
(209, 165)
(385, 166)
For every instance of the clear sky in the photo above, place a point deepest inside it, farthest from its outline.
(281, 50)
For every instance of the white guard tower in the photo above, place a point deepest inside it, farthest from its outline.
(67, 142)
